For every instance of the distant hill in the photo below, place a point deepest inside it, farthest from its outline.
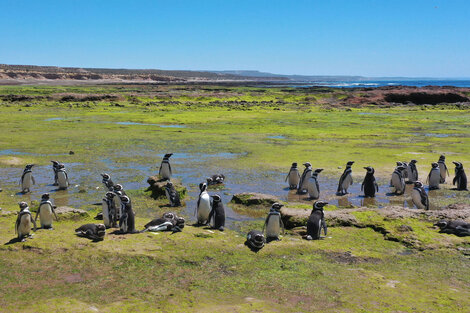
(296, 78)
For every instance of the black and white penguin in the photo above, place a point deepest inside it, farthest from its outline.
(165, 167)
(460, 178)
(369, 185)
(434, 177)
(95, 232)
(412, 171)
(55, 168)
(443, 168)
(203, 207)
(62, 177)
(172, 195)
(345, 180)
(109, 210)
(46, 212)
(419, 196)
(398, 181)
(302, 188)
(127, 220)
(216, 179)
(316, 221)
(273, 223)
(168, 222)
(27, 179)
(255, 240)
(107, 181)
(24, 222)
(313, 187)
(458, 227)
(405, 171)
(293, 176)
(218, 213)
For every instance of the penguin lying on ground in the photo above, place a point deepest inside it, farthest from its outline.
(369, 185)
(107, 181)
(215, 179)
(255, 240)
(273, 223)
(345, 180)
(316, 221)
(172, 195)
(434, 177)
(168, 222)
(165, 171)
(27, 179)
(293, 176)
(218, 213)
(460, 178)
(24, 222)
(46, 212)
(459, 227)
(419, 196)
(95, 232)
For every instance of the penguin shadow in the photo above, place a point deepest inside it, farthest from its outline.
(12, 241)
(91, 239)
(253, 249)
(22, 193)
(368, 201)
(393, 194)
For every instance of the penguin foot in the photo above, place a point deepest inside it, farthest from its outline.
(309, 237)
(221, 228)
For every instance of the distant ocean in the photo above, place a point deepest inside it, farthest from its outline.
(381, 83)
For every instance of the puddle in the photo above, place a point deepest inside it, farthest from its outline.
(146, 124)
(372, 113)
(277, 137)
(53, 119)
(13, 152)
(433, 135)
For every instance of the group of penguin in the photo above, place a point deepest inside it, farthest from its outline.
(117, 207)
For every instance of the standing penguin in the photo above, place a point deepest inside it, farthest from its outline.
(443, 168)
(369, 185)
(109, 210)
(203, 208)
(62, 177)
(412, 171)
(273, 223)
(397, 181)
(24, 222)
(55, 168)
(107, 181)
(419, 196)
(304, 178)
(45, 212)
(127, 220)
(313, 187)
(172, 195)
(316, 221)
(165, 167)
(346, 179)
(218, 212)
(434, 177)
(405, 171)
(293, 176)
(27, 179)
(460, 178)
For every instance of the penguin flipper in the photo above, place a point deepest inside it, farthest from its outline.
(376, 186)
(265, 223)
(362, 186)
(287, 177)
(169, 167)
(17, 223)
(282, 225)
(33, 221)
(34, 181)
(160, 170)
(325, 229)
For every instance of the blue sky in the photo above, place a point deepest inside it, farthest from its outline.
(419, 38)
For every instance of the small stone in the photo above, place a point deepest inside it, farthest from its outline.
(71, 152)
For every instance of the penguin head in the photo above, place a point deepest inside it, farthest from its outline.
(100, 230)
(257, 241)
(202, 186)
(350, 163)
(29, 166)
(307, 164)
(418, 184)
(370, 169)
(117, 187)
(294, 165)
(45, 197)
(23, 205)
(401, 168)
(125, 199)
(105, 176)
(209, 180)
(118, 193)
(318, 170)
(61, 166)
(216, 198)
(54, 163)
(180, 222)
(110, 195)
(442, 157)
(169, 184)
(318, 205)
(169, 215)
(168, 155)
(276, 207)
(441, 224)
(457, 164)
(413, 161)
(434, 165)
(404, 163)
(399, 163)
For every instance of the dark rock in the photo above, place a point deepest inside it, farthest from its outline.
(82, 190)
(404, 228)
(157, 187)
(257, 199)
(71, 152)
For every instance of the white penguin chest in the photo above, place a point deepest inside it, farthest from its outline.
(294, 177)
(45, 214)
(397, 181)
(25, 225)
(347, 181)
(62, 179)
(165, 171)
(434, 177)
(26, 182)
(416, 197)
(204, 207)
(273, 227)
(312, 187)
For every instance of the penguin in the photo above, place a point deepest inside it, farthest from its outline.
(127, 220)
(203, 207)
(460, 178)
(218, 213)
(24, 222)
(443, 168)
(215, 179)
(55, 168)
(458, 227)
(109, 210)
(412, 171)
(346, 179)
(405, 171)
(62, 177)
(27, 179)
(107, 181)
(273, 223)
(168, 222)
(119, 188)
(316, 221)
(95, 232)
(313, 187)
(172, 195)
(293, 176)
(46, 212)
(434, 177)
(165, 167)
(397, 181)
(369, 185)
(304, 178)
(419, 196)
(255, 240)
